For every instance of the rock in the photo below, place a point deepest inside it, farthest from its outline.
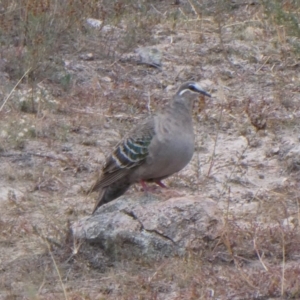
(109, 28)
(13, 195)
(3, 134)
(94, 23)
(292, 159)
(272, 151)
(253, 33)
(87, 56)
(66, 148)
(149, 228)
(106, 79)
(289, 222)
(150, 56)
(98, 24)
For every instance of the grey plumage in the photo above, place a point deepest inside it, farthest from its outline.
(158, 147)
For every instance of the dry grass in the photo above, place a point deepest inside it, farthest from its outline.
(58, 121)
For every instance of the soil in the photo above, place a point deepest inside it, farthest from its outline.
(54, 138)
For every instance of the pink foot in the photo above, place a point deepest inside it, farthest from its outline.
(158, 182)
(151, 188)
(144, 185)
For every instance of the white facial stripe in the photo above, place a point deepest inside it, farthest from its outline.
(183, 91)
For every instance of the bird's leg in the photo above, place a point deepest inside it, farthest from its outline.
(158, 182)
(144, 185)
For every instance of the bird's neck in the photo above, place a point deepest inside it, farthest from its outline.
(179, 106)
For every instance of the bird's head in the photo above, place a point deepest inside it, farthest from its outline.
(191, 87)
(187, 94)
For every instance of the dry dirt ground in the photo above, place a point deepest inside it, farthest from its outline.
(56, 127)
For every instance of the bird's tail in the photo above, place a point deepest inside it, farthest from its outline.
(100, 199)
(110, 193)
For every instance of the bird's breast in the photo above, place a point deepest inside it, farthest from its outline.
(173, 149)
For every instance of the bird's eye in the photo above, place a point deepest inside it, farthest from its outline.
(193, 88)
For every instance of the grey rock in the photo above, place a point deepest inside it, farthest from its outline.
(94, 23)
(149, 228)
(87, 56)
(149, 56)
(292, 159)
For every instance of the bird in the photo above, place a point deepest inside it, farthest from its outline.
(156, 148)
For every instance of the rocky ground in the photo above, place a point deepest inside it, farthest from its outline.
(59, 122)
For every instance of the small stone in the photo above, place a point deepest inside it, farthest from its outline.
(150, 56)
(275, 150)
(3, 134)
(66, 148)
(272, 151)
(106, 79)
(108, 28)
(87, 56)
(94, 23)
(253, 33)
(289, 222)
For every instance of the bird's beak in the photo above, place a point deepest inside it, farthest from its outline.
(201, 91)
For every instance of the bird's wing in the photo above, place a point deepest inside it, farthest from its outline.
(129, 153)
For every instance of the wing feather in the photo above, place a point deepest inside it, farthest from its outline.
(129, 153)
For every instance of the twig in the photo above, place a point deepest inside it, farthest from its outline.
(298, 211)
(156, 272)
(14, 88)
(283, 264)
(235, 165)
(48, 156)
(224, 236)
(45, 240)
(257, 252)
(157, 10)
(242, 23)
(193, 8)
(149, 103)
(182, 12)
(116, 61)
(218, 129)
(243, 275)
(262, 65)
(57, 270)
(75, 249)
(42, 285)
